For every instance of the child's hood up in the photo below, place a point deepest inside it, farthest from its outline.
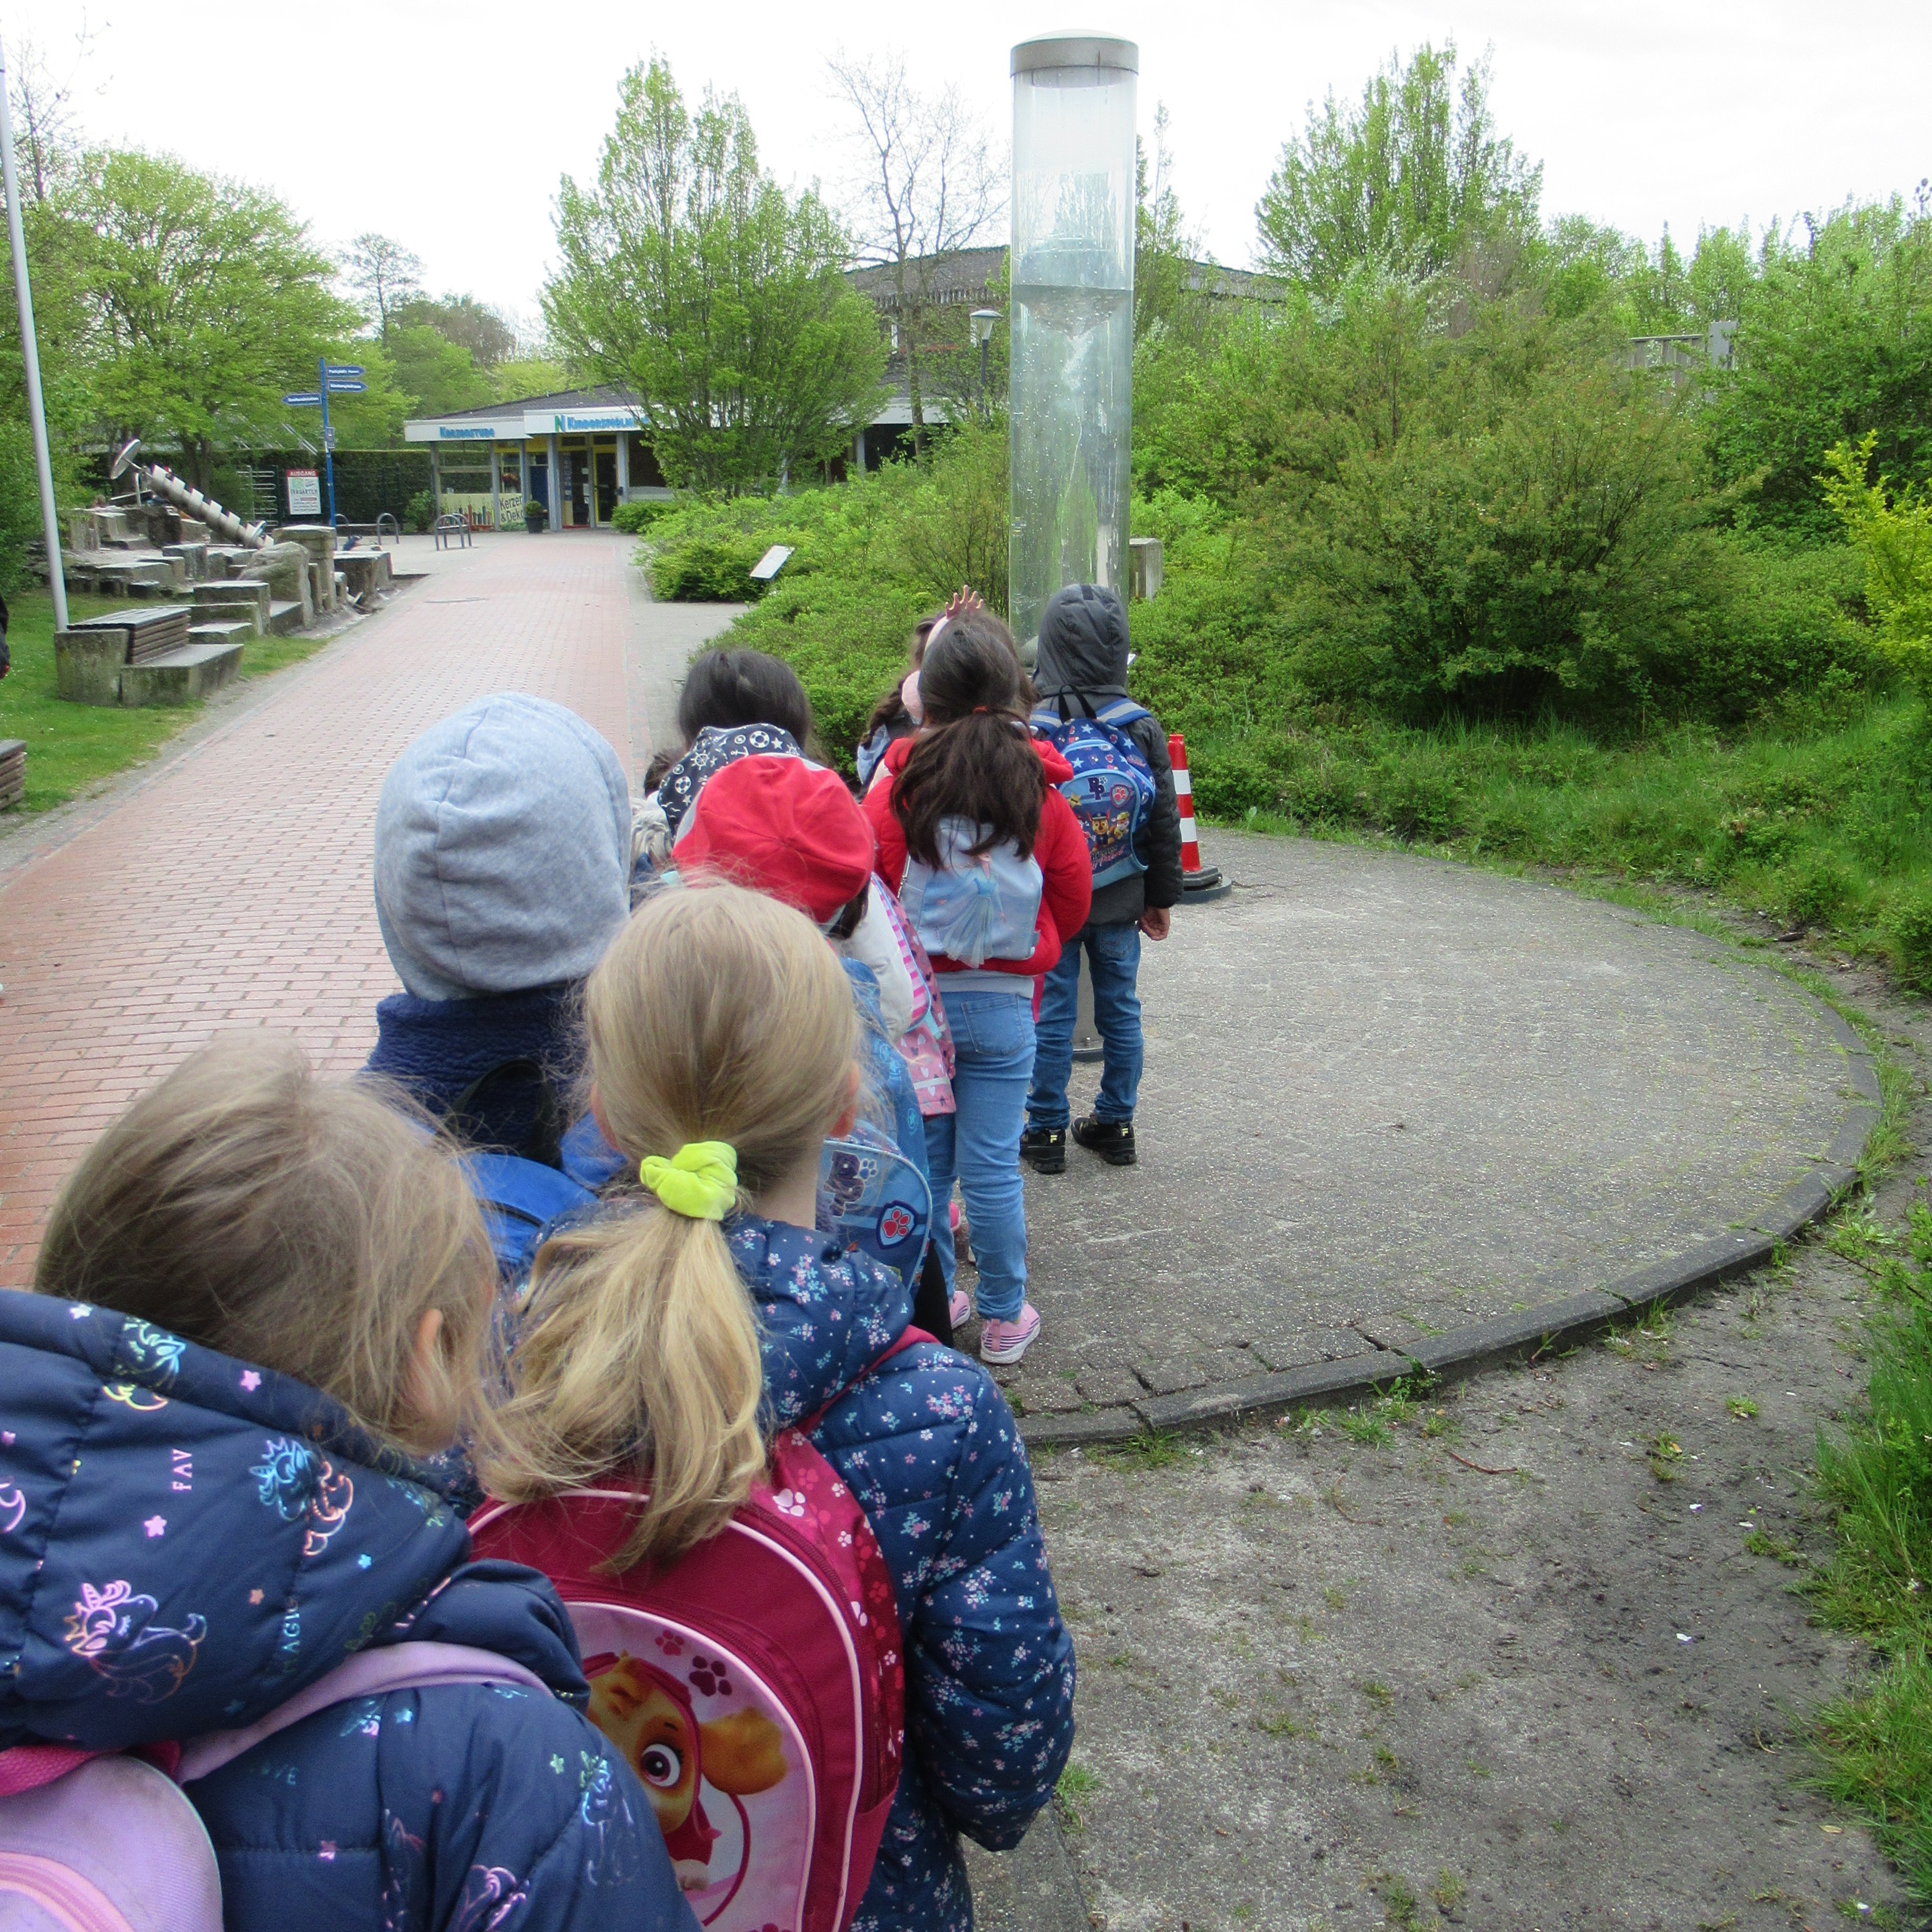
(1083, 643)
(186, 1540)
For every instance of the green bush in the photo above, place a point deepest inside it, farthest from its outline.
(706, 570)
(633, 517)
(1908, 930)
(419, 512)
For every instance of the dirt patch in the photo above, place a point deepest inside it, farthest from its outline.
(1534, 1659)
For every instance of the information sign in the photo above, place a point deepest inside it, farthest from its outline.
(304, 399)
(304, 494)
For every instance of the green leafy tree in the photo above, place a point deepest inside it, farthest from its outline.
(1891, 530)
(212, 300)
(1834, 340)
(437, 375)
(469, 324)
(528, 376)
(688, 275)
(1411, 177)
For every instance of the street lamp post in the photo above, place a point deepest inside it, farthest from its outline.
(30, 357)
(983, 319)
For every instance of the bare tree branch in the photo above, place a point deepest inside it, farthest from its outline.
(926, 181)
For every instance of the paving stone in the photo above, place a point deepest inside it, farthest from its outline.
(1048, 1395)
(1106, 1387)
(1227, 1365)
(1291, 1348)
(1391, 1331)
(1171, 1377)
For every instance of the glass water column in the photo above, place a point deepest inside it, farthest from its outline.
(1073, 342)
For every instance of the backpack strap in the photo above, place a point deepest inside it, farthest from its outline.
(544, 1141)
(909, 1338)
(369, 1673)
(1121, 711)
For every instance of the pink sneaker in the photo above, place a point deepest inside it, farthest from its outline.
(1008, 1341)
(959, 1310)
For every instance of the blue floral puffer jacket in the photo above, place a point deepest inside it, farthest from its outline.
(928, 1446)
(186, 1541)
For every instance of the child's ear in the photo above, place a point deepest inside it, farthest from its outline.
(848, 1108)
(597, 1114)
(431, 1416)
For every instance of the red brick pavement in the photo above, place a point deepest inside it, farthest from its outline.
(234, 889)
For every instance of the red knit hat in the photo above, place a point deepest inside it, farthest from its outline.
(783, 827)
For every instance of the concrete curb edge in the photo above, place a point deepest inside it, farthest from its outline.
(1515, 1337)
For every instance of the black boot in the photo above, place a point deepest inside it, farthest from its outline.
(1113, 1141)
(1045, 1149)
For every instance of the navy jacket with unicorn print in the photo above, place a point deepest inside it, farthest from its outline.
(186, 1541)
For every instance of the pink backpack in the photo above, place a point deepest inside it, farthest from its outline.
(104, 1842)
(755, 1686)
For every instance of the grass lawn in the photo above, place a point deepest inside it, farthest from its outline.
(72, 747)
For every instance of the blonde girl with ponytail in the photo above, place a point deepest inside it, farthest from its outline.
(721, 1039)
(663, 1343)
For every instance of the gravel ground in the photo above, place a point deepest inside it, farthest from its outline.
(1518, 1665)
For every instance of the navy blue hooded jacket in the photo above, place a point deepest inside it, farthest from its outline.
(930, 1449)
(185, 1542)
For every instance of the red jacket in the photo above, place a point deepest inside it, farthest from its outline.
(1066, 867)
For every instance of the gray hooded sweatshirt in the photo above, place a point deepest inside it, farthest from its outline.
(1083, 661)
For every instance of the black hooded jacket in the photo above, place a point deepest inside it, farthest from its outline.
(1083, 655)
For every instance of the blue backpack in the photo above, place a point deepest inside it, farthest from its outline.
(976, 906)
(1112, 788)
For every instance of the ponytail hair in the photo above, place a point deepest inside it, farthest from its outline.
(974, 759)
(717, 1015)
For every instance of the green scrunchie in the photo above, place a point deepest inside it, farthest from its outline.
(699, 1181)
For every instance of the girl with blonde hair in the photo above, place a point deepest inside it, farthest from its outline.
(663, 1344)
(260, 1301)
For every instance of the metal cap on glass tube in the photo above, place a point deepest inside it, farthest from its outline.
(1052, 50)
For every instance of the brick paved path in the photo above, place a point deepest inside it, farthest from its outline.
(233, 887)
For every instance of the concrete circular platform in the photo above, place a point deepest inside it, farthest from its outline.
(1397, 1111)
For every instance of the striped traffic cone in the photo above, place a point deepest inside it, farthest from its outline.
(1198, 882)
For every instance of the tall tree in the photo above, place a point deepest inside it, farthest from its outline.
(212, 299)
(689, 276)
(46, 129)
(470, 325)
(1163, 247)
(927, 184)
(1409, 179)
(385, 274)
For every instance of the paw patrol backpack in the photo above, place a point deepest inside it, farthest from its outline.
(756, 1685)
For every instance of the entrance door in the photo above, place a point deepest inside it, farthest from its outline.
(576, 471)
(607, 484)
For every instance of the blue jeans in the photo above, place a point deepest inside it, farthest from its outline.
(980, 1143)
(1114, 962)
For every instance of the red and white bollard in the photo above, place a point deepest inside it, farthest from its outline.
(1198, 882)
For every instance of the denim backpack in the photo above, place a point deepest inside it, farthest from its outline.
(975, 906)
(1112, 788)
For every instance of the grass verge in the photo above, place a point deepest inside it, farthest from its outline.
(71, 748)
(1876, 1747)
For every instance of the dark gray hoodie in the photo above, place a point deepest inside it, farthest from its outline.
(1083, 662)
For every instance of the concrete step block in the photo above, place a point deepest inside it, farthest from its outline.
(182, 676)
(222, 630)
(285, 620)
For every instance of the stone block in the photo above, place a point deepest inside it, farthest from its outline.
(89, 664)
(1227, 1365)
(182, 676)
(285, 620)
(1291, 1348)
(221, 630)
(367, 572)
(1048, 1395)
(284, 568)
(249, 596)
(318, 540)
(1171, 1377)
(1107, 1388)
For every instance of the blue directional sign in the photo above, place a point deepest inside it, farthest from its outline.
(343, 387)
(335, 369)
(305, 399)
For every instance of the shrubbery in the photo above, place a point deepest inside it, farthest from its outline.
(633, 517)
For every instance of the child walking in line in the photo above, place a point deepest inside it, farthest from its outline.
(1123, 789)
(666, 1352)
(260, 1300)
(991, 867)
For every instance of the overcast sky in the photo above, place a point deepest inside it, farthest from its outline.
(448, 126)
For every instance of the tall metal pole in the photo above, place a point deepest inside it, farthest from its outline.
(30, 353)
(327, 440)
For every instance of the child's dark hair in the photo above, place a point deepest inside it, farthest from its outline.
(891, 707)
(728, 689)
(974, 759)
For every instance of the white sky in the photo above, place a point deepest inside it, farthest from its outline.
(448, 126)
